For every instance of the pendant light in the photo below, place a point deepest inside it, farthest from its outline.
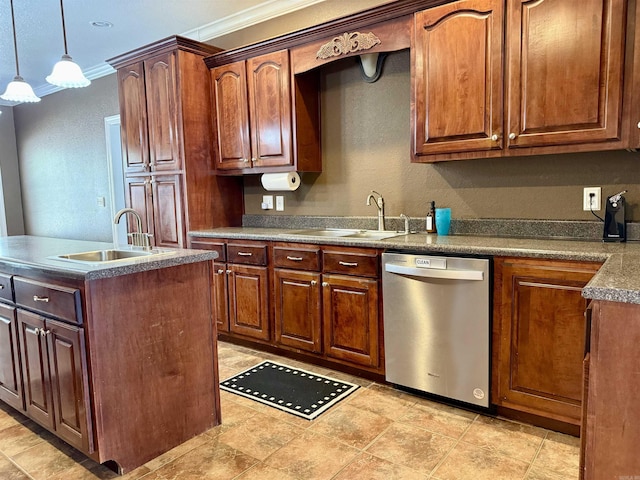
(18, 90)
(66, 73)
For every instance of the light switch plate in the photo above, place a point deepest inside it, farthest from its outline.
(279, 203)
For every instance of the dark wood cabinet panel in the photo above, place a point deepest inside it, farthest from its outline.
(350, 319)
(167, 211)
(539, 336)
(69, 384)
(35, 369)
(457, 77)
(220, 296)
(48, 299)
(231, 108)
(297, 306)
(133, 118)
(565, 65)
(248, 301)
(10, 372)
(162, 116)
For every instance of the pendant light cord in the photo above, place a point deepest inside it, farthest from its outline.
(64, 30)
(15, 42)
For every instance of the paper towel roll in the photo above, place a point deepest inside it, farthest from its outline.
(288, 181)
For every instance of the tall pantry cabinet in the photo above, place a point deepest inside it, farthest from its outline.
(165, 115)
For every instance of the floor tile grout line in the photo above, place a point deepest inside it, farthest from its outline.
(18, 466)
(535, 456)
(457, 441)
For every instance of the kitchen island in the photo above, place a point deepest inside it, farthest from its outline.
(117, 358)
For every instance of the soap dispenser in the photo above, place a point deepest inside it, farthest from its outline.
(431, 217)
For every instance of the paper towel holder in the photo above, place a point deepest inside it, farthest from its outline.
(285, 181)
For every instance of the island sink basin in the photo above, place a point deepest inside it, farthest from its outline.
(108, 255)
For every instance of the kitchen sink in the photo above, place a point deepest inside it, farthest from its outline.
(346, 233)
(101, 256)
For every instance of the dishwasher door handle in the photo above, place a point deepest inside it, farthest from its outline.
(435, 273)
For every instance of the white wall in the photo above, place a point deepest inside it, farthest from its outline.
(11, 222)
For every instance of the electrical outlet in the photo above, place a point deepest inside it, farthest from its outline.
(267, 202)
(591, 198)
(279, 203)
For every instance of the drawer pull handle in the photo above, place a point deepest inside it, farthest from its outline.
(245, 254)
(37, 298)
(294, 259)
(348, 264)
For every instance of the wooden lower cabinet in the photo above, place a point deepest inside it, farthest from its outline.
(248, 301)
(538, 336)
(297, 307)
(610, 433)
(10, 373)
(350, 319)
(220, 296)
(55, 376)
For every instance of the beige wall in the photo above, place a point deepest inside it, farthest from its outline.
(63, 163)
(11, 215)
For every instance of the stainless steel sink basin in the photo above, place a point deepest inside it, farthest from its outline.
(101, 256)
(346, 233)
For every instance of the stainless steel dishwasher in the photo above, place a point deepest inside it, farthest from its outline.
(437, 325)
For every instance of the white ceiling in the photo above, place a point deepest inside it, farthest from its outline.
(135, 23)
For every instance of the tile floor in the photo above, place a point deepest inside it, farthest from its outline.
(376, 433)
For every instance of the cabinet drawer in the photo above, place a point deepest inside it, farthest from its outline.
(206, 244)
(247, 254)
(298, 259)
(60, 302)
(6, 292)
(365, 264)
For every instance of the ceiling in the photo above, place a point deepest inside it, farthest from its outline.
(135, 23)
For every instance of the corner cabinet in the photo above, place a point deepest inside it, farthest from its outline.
(538, 336)
(165, 115)
(265, 118)
(564, 64)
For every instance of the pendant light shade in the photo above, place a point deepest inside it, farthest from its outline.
(66, 73)
(18, 90)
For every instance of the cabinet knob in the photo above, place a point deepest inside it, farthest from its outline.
(512, 136)
(1, 287)
(228, 272)
(253, 159)
(638, 124)
(44, 332)
(325, 284)
(220, 271)
(37, 298)
(313, 283)
(494, 137)
(245, 160)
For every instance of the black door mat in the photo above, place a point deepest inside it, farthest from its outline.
(290, 389)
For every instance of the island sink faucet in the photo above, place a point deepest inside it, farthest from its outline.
(379, 203)
(138, 238)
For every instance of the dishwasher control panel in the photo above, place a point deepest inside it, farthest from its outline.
(440, 263)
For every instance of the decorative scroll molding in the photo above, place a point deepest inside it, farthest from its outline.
(347, 43)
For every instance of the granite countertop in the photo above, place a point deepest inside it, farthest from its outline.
(38, 253)
(618, 280)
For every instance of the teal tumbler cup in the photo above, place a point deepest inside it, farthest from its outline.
(443, 220)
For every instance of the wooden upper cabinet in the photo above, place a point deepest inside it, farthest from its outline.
(253, 113)
(565, 62)
(133, 118)
(270, 109)
(229, 85)
(162, 115)
(457, 80)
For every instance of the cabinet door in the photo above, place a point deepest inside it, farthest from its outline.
(270, 109)
(221, 296)
(539, 314)
(69, 383)
(457, 90)
(350, 319)
(231, 116)
(133, 118)
(35, 368)
(138, 196)
(564, 71)
(297, 309)
(10, 373)
(167, 211)
(248, 297)
(162, 115)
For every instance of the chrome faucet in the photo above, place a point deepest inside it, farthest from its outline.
(379, 203)
(138, 238)
(406, 218)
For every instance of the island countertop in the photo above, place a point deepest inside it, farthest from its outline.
(40, 253)
(617, 280)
